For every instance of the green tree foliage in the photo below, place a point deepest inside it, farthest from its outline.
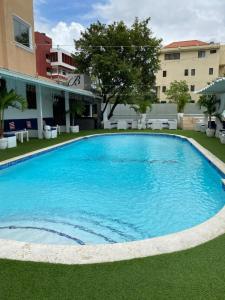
(179, 94)
(144, 102)
(9, 99)
(121, 59)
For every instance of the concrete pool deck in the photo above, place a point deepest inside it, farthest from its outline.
(89, 254)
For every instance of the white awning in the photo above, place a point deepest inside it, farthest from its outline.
(46, 83)
(216, 87)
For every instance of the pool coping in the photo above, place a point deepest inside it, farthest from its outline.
(89, 254)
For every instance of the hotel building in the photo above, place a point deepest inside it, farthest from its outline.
(196, 62)
(53, 63)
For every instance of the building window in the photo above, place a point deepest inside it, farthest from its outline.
(172, 56)
(31, 96)
(192, 72)
(213, 51)
(192, 88)
(22, 32)
(201, 54)
(67, 59)
(164, 89)
(186, 72)
(210, 71)
(54, 56)
(164, 73)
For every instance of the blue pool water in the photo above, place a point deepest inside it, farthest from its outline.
(109, 189)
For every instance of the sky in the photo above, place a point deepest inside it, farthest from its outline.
(171, 20)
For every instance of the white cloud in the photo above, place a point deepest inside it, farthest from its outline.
(62, 34)
(171, 20)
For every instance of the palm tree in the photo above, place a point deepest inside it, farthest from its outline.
(76, 109)
(142, 107)
(210, 103)
(9, 99)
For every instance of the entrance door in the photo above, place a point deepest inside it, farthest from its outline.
(59, 111)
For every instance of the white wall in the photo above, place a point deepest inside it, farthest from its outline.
(159, 111)
(20, 87)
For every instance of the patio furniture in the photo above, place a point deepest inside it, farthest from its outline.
(149, 124)
(110, 124)
(134, 124)
(129, 124)
(50, 132)
(20, 134)
(172, 124)
(165, 125)
(157, 124)
(122, 125)
(11, 140)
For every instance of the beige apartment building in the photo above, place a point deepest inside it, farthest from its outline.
(17, 50)
(196, 62)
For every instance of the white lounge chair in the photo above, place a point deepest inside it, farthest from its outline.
(110, 124)
(122, 125)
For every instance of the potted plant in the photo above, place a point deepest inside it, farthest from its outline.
(8, 99)
(210, 103)
(77, 109)
(141, 107)
(178, 93)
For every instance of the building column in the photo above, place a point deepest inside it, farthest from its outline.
(91, 110)
(67, 108)
(39, 112)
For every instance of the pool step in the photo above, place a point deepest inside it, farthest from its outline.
(86, 229)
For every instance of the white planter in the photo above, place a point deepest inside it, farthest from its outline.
(210, 132)
(3, 143)
(179, 120)
(74, 129)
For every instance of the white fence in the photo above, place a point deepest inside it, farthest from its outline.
(159, 111)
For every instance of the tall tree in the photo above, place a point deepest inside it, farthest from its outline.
(121, 59)
(179, 94)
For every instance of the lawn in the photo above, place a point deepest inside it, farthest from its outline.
(198, 273)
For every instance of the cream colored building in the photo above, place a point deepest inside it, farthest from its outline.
(17, 51)
(196, 62)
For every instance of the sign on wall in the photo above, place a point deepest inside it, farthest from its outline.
(79, 81)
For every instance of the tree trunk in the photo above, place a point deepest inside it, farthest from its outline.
(112, 110)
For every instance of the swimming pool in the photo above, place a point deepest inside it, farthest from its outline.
(109, 189)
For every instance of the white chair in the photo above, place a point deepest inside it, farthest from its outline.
(157, 125)
(110, 124)
(149, 124)
(50, 132)
(172, 124)
(122, 125)
(134, 124)
(12, 142)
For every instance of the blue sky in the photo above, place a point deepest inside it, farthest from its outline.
(68, 11)
(171, 20)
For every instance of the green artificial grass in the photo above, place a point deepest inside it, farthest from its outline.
(197, 273)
